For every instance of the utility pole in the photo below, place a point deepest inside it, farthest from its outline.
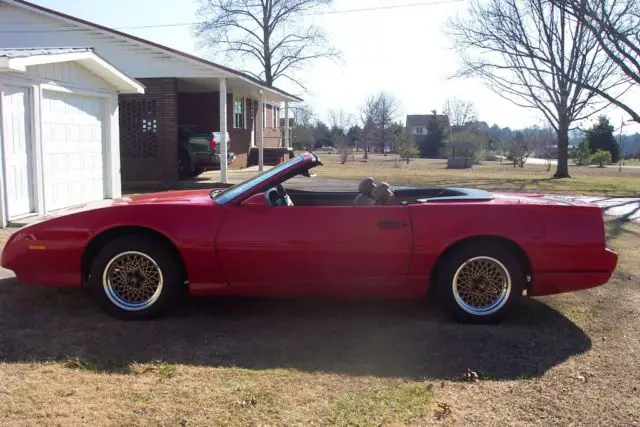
(621, 152)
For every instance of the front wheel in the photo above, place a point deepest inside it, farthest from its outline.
(481, 282)
(136, 278)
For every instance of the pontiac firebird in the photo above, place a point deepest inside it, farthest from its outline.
(477, 252)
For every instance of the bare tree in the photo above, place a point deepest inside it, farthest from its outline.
(303, 115)
(302, 130)
(616, 26)
(519, 148)
(340, 122)
(532, 52)
(369, 133)
(459, 111)
(269, 32)
(377, 114)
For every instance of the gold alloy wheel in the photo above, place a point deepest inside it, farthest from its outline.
(132, 281)
(481, 285)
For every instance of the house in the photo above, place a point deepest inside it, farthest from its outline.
(418, 124)
(181, 91)
(59, 129)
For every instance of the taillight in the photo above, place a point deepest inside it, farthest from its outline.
(213, 143)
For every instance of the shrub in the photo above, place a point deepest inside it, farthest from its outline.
(581, 154)
(601, 158)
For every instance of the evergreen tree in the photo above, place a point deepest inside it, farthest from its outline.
(600, 137)
(434, 140)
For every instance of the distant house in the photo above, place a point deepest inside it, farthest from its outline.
(417, 124)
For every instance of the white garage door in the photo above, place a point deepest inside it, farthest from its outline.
(17, 150)
(72, 149)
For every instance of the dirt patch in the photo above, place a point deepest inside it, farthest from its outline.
(566, 359)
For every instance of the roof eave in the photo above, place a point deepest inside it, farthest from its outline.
(88, 59)
(225, 71)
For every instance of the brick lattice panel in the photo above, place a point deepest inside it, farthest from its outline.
(138, 136)
(149, 132)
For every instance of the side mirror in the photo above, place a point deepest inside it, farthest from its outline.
(256, 202)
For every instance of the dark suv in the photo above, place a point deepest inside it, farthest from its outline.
(199, 151)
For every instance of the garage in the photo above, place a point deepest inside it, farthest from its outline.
(72, 149)
(59, 130)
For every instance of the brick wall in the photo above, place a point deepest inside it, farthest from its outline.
(272, 135)
(199, 110)
(240, 145)
(149, 132)
(272, 138)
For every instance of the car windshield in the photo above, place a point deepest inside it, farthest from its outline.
(232, 192)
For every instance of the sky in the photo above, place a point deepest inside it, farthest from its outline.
(403, 51)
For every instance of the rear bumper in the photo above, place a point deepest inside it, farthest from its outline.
(210, 160)
(568, 281)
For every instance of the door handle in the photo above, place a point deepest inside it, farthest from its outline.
(389, 223)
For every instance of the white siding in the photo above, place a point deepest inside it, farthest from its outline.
(33, 29)
(68, 74)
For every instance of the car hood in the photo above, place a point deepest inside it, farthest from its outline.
(164, 197)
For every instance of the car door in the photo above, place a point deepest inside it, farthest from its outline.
(316, 249)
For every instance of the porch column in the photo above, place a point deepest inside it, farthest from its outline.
(260, 133)
(223, 130)
(287, 142)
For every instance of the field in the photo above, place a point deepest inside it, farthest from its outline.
(565, 359)
(584, 180)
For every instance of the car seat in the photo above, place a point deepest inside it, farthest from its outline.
(365, 188)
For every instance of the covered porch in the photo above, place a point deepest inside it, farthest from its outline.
(150, 124)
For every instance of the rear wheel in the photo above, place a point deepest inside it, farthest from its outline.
(135, 278)
(481, 282)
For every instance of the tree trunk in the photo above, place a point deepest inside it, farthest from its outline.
(562, 170)
(268, 72)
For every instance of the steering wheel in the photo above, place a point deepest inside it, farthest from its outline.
(284, 197)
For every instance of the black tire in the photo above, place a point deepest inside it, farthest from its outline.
(196, 172)
(171, 288)
(185, 168)
(495, 256)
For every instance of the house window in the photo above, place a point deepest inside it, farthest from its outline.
(276, 116)
(238, 113)
(252, 113)
(418, 130)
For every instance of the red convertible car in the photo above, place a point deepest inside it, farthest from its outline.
(478, 251)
